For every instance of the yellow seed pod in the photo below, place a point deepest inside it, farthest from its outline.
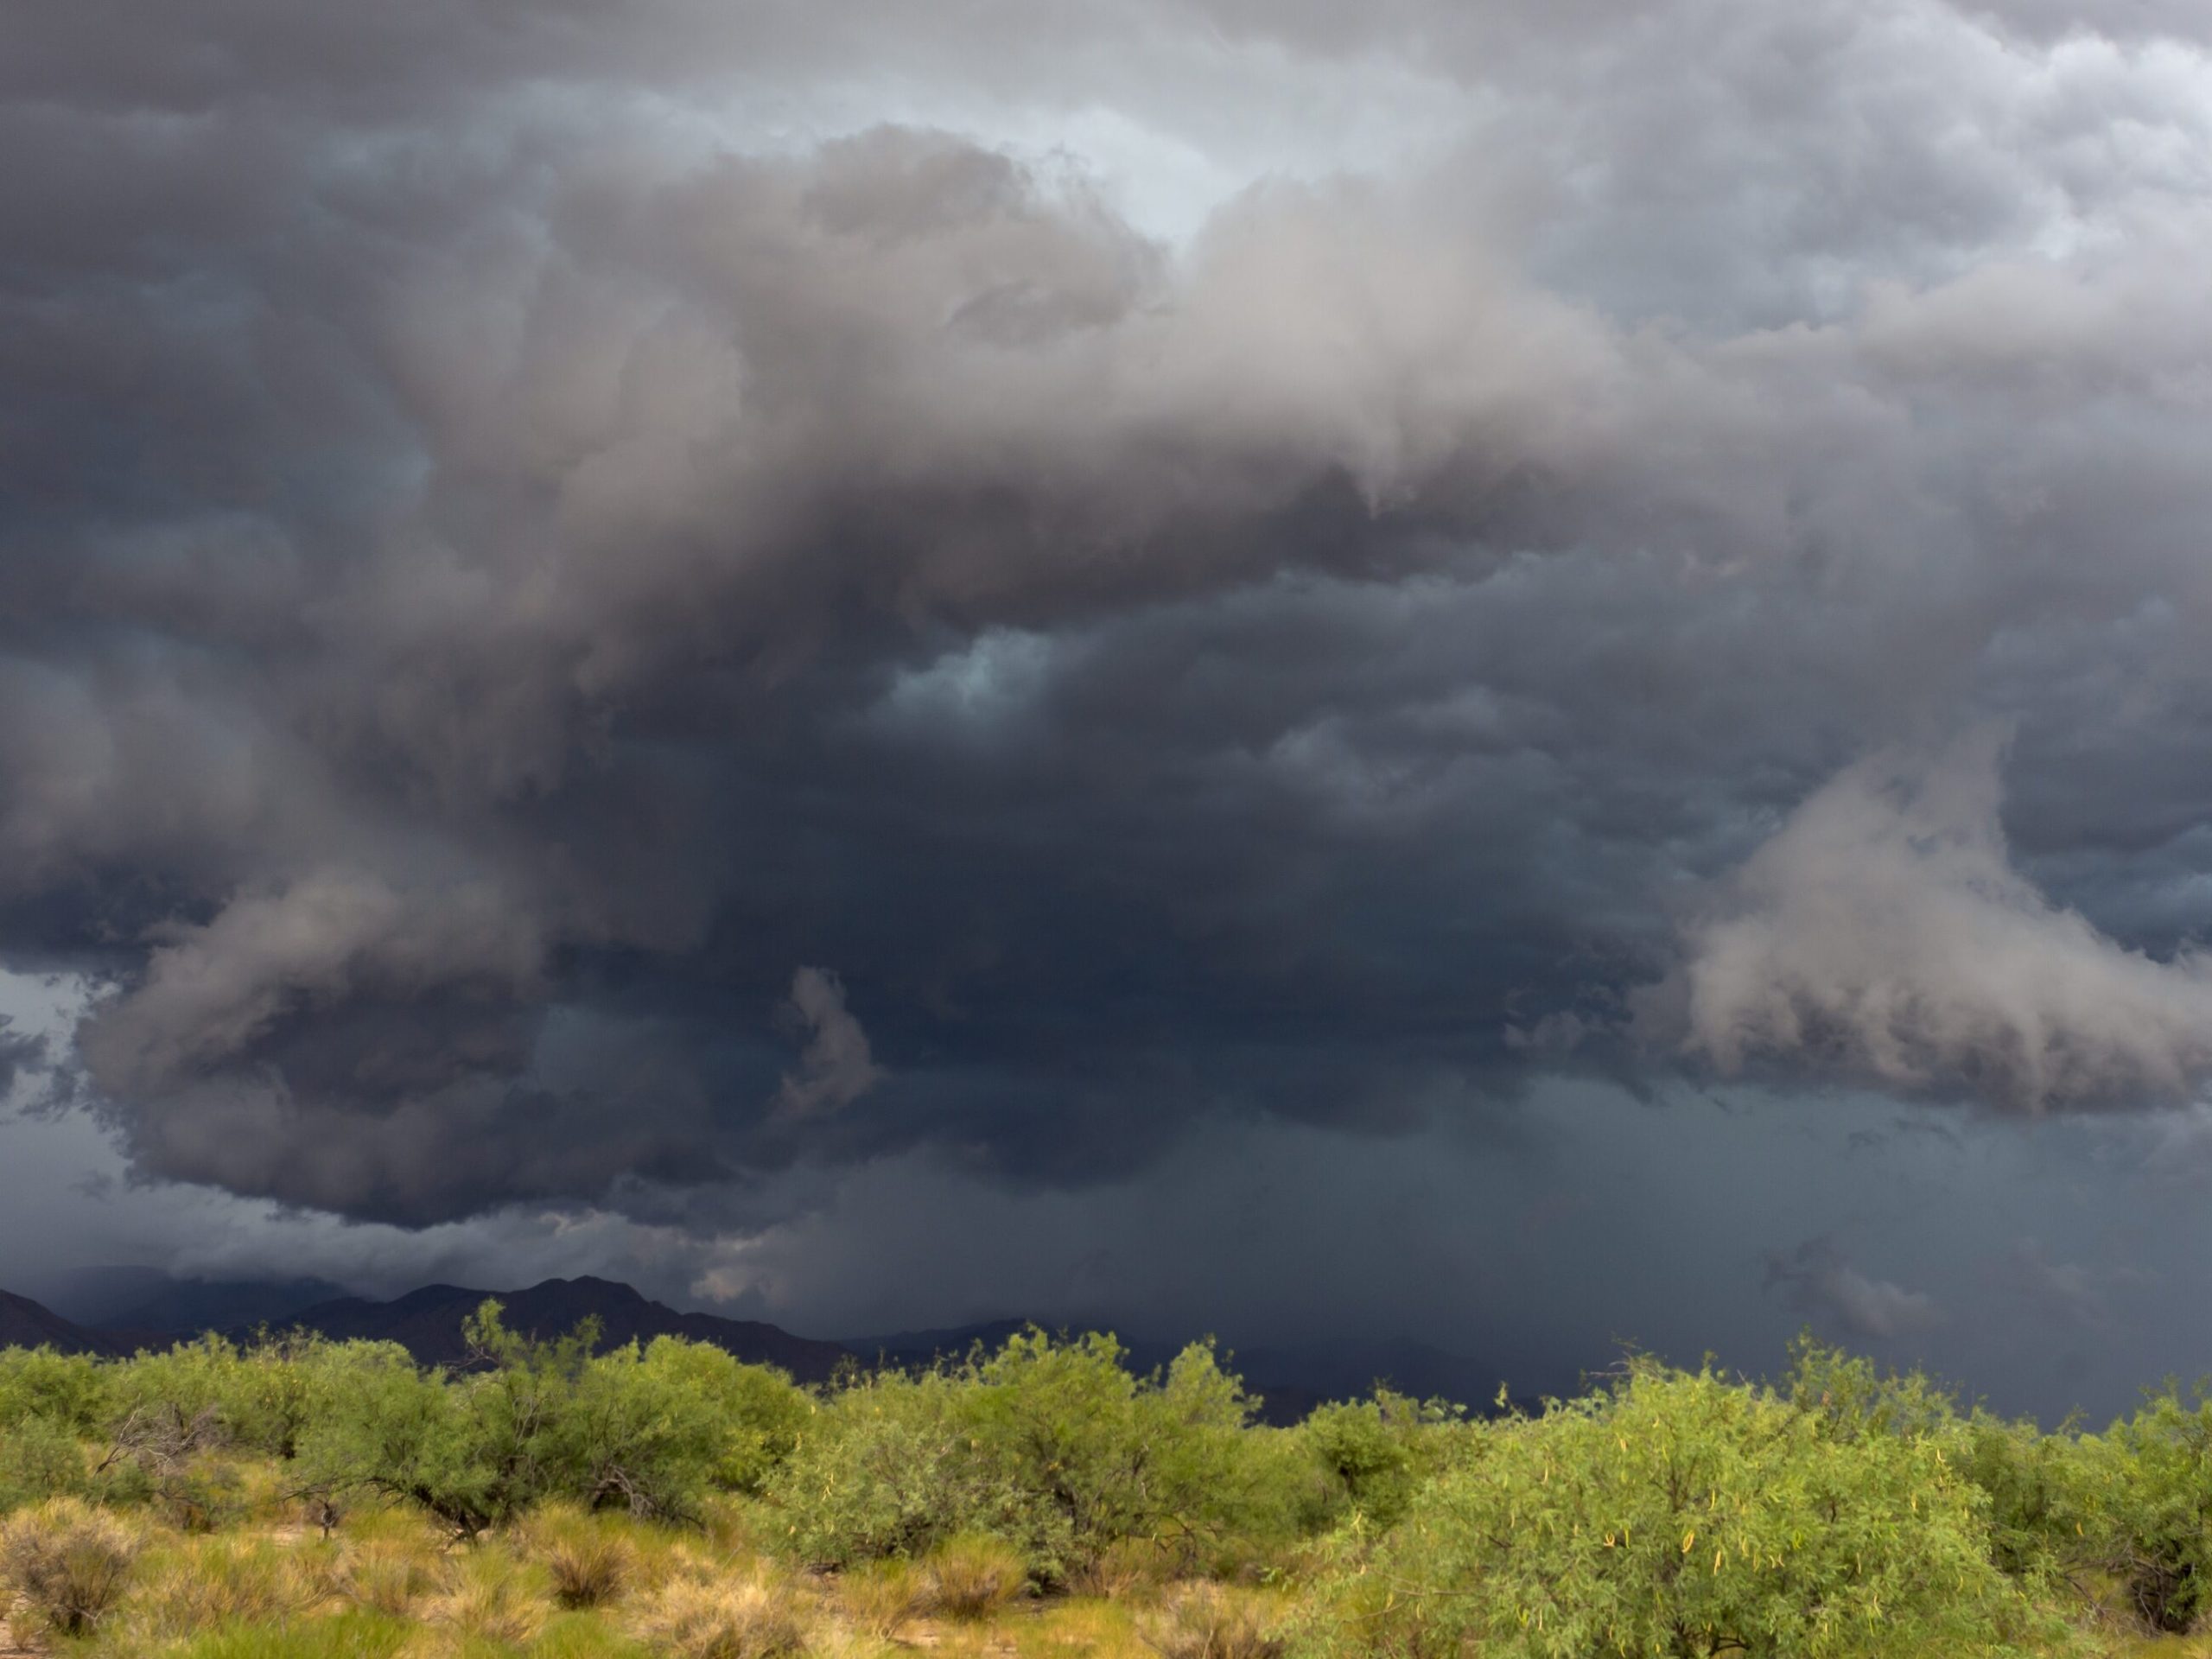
(1688, 1538)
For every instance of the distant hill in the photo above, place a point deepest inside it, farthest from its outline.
(151, 1310)
(25, 1323)
(146, 1300)
(427, 1322)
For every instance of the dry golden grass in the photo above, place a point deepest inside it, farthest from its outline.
(394, 1576)
(881, 1598)
(493, 1597)
(591, 1561)
(975, 1577)
(1210, 1621)
(196, 1584)
(756, 1615)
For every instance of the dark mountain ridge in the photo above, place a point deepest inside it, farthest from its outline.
(427, 1323)
(148, 1299)
(1288, 1379)
(25, 1323)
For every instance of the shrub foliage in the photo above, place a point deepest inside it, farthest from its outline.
(1666, 1513)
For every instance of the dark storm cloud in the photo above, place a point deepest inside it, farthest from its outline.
(508, 576)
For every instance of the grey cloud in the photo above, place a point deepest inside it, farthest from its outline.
(837, 1068)
(22, 1053)
(1821, 1282)
(1884, 933)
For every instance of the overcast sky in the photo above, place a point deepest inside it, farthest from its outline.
(1531, 674)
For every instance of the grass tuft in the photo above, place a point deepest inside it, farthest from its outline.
(496, 1598)
(69, 1562)
(1207, 1621)
(199, 1585)
(754, 1616)
(883, 1597)
(974, 1576)
(590, 1559)
(393, 1576)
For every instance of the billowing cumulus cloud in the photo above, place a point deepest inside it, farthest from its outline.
(1259, 570)
(1885, 932)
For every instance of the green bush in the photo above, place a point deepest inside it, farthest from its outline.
(391, 1429)
(1102, 1455)
(754, 1413)
(650, 1432)
(1683, 1514)
(2152, 1504)
(2040, 1488)
(1371, 1455)
(39, 1460)
(74, 1392)
(887, 1471)
(1053, 1446)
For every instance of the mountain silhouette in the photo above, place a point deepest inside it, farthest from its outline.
(427, 1322)
(26, 1323)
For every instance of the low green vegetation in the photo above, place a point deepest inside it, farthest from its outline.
(296, 1497)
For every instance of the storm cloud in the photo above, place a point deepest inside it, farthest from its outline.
(1220, 565)
(1884, 931)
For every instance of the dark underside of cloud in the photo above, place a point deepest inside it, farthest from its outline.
(552, 653)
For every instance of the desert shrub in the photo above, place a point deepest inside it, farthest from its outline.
(2045, 1513)
(889, 1470)
(588, 1562)
(192, 1381)
(388, 1428)
(754, 1413)
(1682, 1512)
(276, 1386)
(974, 1576)
(69, 1562)
(653, 1431)
(755, 1617)
(73, 1392)
(2150, 1503)
(40, 1458)
(189, 1491)
(1855, 1398)
(1369, 1456)
(1102, 1455)
(1207, 1621)
(882, 1598)
(2039, 1487)
(1053, 1446)
(170, 1412)
(197, 1587)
